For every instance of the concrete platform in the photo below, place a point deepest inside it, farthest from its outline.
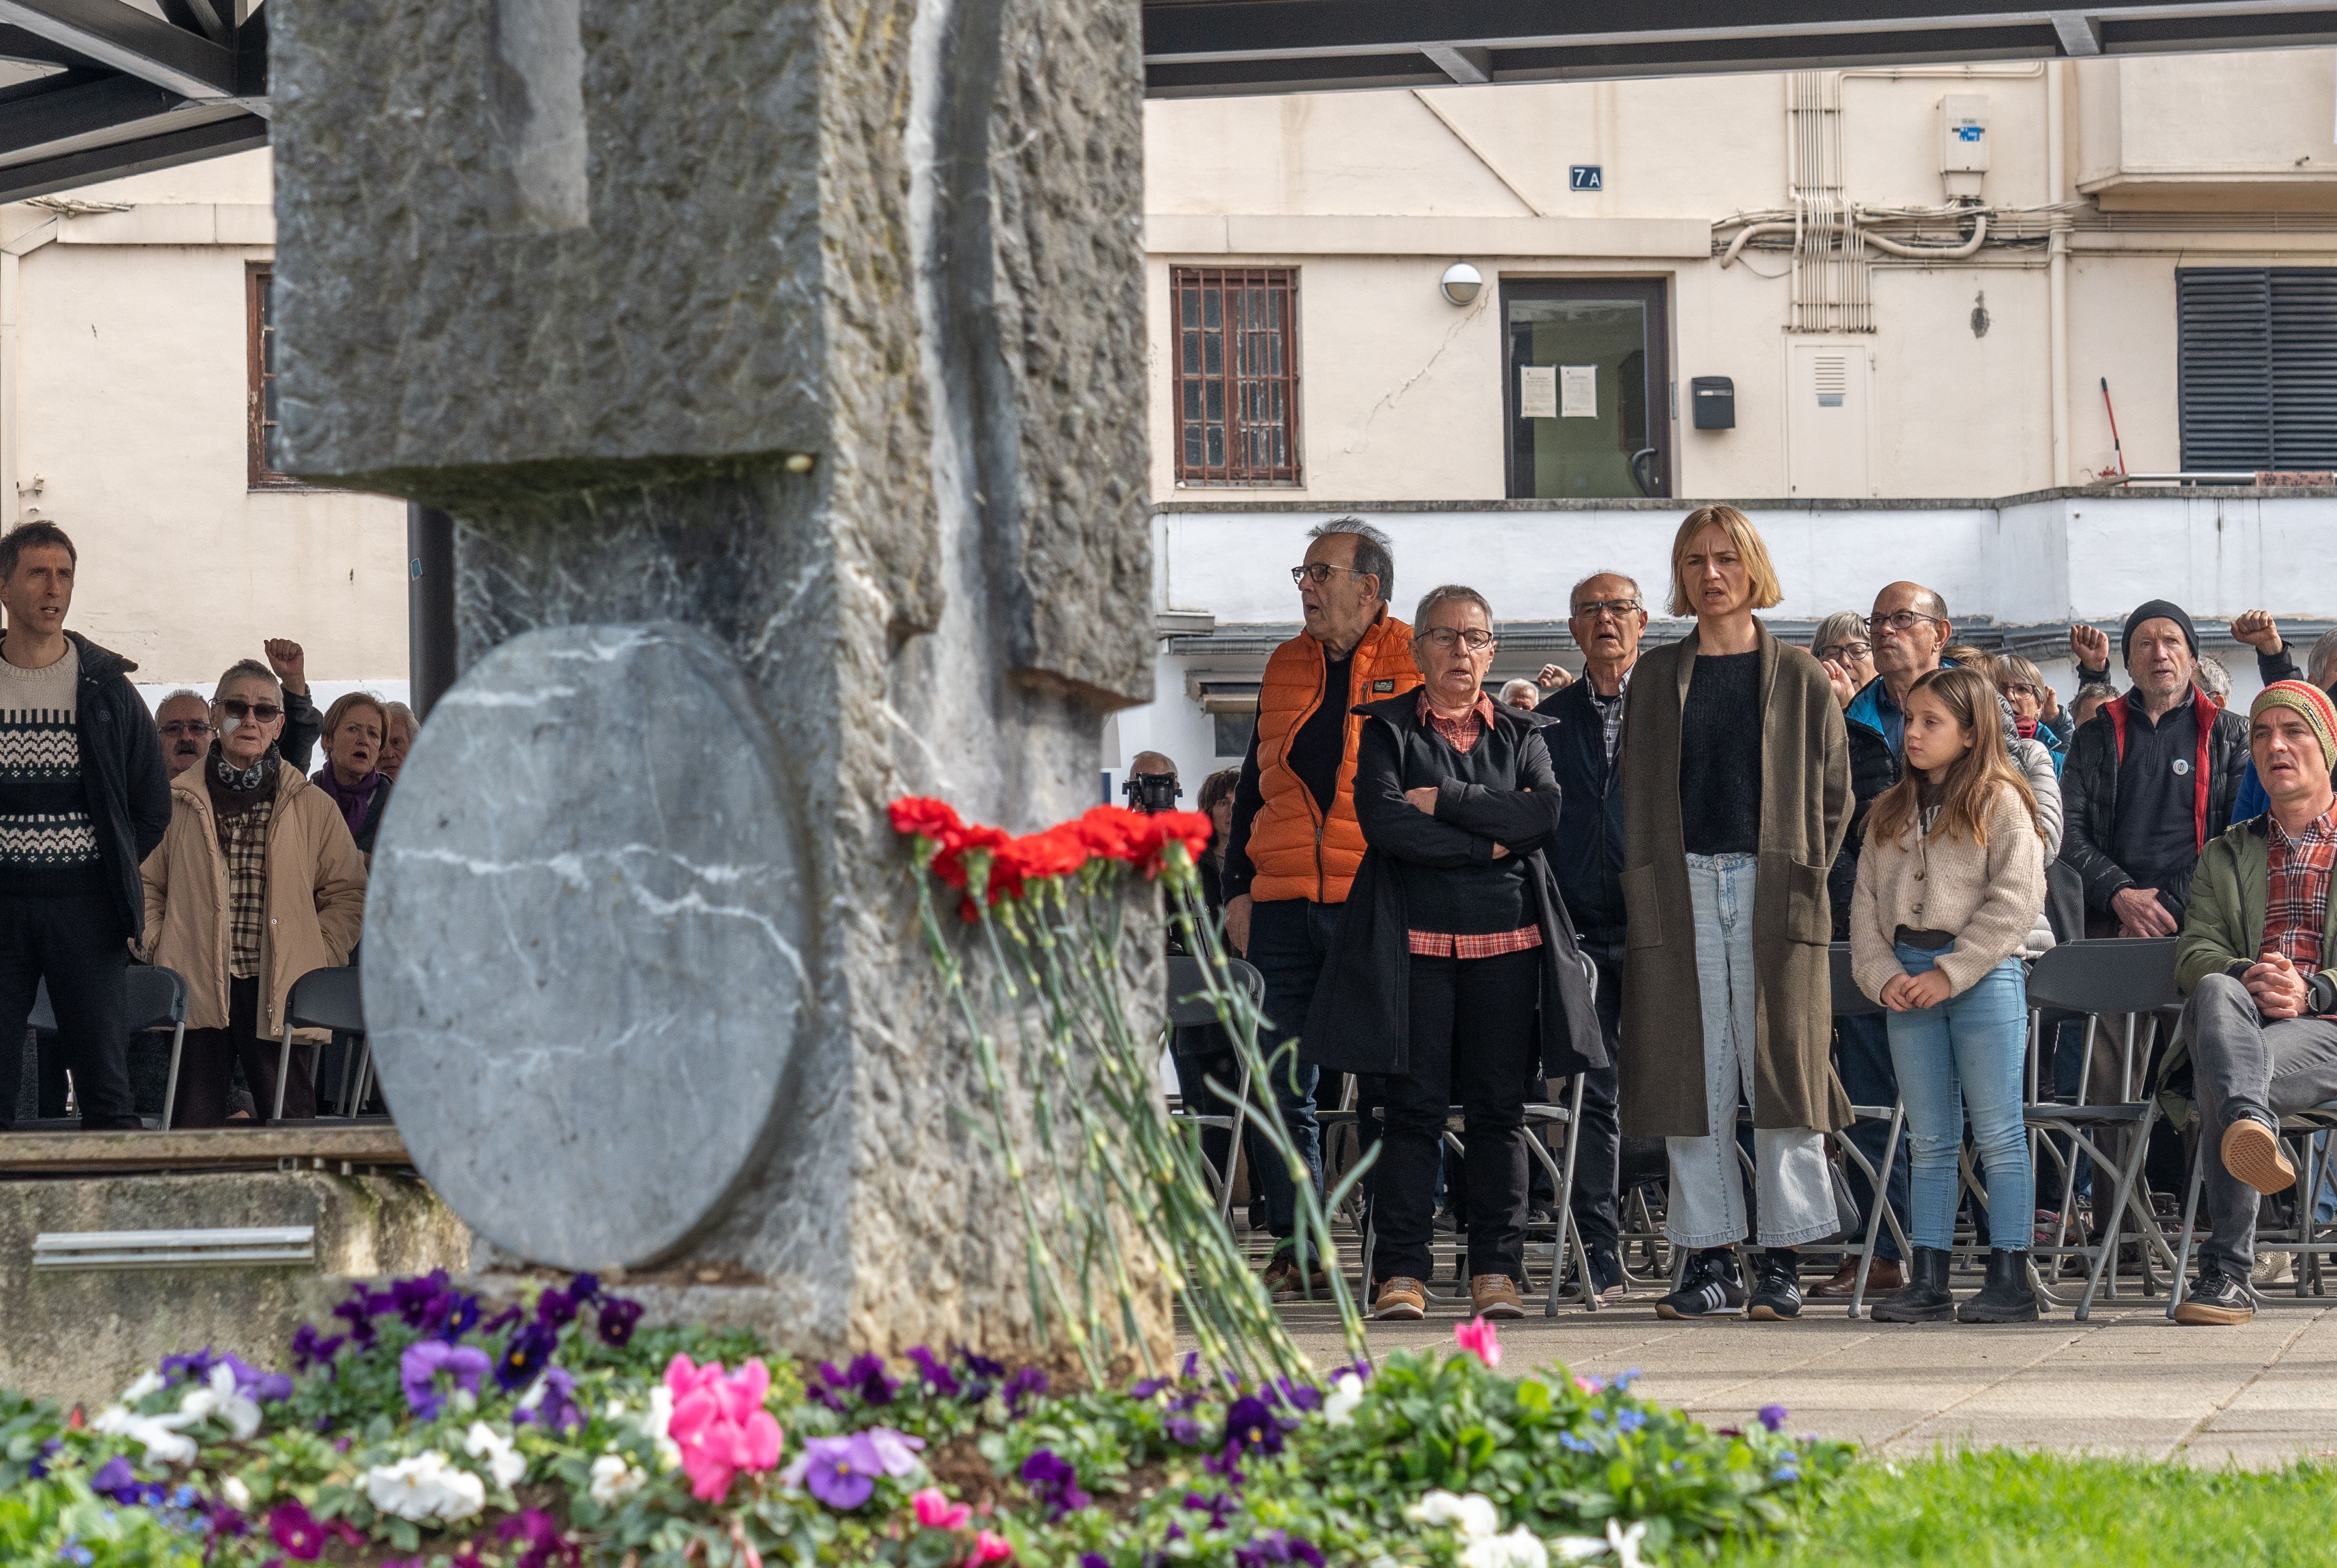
(2127, 1382)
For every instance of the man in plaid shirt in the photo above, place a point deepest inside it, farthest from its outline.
(2256, 953)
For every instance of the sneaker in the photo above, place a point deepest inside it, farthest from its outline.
(2274, 1269)
(2217, 1299)
(2252, 1152)
(1282, 1276)
(1605, 1271)
(1709, 1289)
(1400, 1299)
(1778, 1292)
(1495, 1296)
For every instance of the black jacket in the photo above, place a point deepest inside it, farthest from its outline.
(122, 770)
(1360, 1018)
(2090, 803)
(1587, 854)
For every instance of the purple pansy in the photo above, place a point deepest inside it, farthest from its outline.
(295, 1530)
(935, 1372)
(841, 1472)
(1054, 1483)
(618, 1316)
(545, 1538)
(528, 1352)
(1251, 1423)
(1219, 1508)
(1270, 1547)
(1028, 1384)
(419, 1367)
(555, 1407)
(1183, 1430)
(1299, 1396)
(1773, 1416)
(311, 1349)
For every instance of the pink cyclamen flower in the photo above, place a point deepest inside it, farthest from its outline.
(989, 1547)
(720, 1423)
(1478, 1338)
(935, 1512)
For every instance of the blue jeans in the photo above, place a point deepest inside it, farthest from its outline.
(1966, 1053)
(1289, 938)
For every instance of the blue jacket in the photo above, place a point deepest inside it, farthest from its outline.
(1586, 854)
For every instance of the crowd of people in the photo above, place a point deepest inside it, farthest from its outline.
(1467, 897)
(193, 838)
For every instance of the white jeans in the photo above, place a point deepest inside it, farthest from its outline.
(1792, 1188)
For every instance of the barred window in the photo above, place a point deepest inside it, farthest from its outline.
(260, 362)
(1236, 384)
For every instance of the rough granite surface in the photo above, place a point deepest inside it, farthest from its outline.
(899, 237)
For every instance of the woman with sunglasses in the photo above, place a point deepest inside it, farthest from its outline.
(255, 883)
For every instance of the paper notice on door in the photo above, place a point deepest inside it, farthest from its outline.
(1538, 392)
(1577, 391)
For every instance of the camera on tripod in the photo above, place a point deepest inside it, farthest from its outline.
(1152, 793)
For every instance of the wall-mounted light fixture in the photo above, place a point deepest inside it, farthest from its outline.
(1461, 282)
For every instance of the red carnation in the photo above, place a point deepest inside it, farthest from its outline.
(1190, 829)
(949, 864)
(1112, 832)
(1057, 852)
(923, 814)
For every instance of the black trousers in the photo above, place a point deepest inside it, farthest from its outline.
(76, 944)
(1475, 1040)
(207, 1066)
(1599, 1139)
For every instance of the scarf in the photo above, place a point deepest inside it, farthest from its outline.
(354, 799)
(2026, 727)
(234, 790)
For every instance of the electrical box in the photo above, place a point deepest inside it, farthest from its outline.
(1712, 400)
(1963, 142)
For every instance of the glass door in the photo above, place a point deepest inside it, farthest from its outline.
(1589, 394)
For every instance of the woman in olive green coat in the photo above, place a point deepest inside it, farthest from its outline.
(1735, 779)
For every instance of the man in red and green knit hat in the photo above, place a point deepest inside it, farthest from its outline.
(2256, 956)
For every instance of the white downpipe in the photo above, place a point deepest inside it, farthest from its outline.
(2056, 292)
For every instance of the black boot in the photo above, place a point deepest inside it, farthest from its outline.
(2006, 1297)
(1925, 1298)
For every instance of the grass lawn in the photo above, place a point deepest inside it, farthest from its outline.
(1999, 1508)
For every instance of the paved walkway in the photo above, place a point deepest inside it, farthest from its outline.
(2127, 1382)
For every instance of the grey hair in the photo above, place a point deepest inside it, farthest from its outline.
(252, 670)
(1373, 554)
(2092, 691)
(1451, 591)
(1841, 626)
(2210, 676)
(187, 692)
(2323, 660)
(1510, 686)
(1572, 592)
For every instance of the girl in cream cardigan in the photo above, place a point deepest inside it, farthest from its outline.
(1950, 882)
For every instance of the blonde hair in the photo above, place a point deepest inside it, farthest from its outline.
(1741, 533)
(347, 704)
(1973, 779)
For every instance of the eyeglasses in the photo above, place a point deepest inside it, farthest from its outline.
(265, 712)
(1617, 608)
(1903, 621)
(1443, 638)
(1319, 572)
(1839, 650)
(195, 727)
(2022, 689)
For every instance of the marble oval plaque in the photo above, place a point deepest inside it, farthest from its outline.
(585, 942)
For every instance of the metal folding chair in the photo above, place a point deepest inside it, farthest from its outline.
(1189, 1007)
(2302, 1237)
(323, 999)
(157, 1001)
(1850, 1002)
(2134, 976)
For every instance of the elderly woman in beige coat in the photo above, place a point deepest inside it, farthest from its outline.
(255, 883)
(1735, 778)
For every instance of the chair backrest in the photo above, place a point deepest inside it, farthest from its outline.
(2110, 974)
(1189, 1002)
(1849, 1001)
(326, 999)
(158, 997)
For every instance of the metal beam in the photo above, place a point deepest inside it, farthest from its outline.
(168, 150)
(66, 113)
(1465, 66)
(131, 41)
(2080, 34)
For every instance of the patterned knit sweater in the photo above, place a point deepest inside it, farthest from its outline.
(48, 844)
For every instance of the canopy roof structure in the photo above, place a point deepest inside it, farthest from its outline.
(1205, 48)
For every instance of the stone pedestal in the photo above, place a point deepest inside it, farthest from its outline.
(782, 366)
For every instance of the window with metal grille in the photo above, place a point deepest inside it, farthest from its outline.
(260, 400)
(1237, 383)
(2256, 367)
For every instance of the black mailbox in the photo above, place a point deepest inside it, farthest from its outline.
(1714, 399)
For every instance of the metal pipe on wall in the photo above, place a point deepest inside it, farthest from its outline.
(2056, 306)
(429, 606)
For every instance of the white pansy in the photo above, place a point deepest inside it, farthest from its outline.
(1474, 1516)
(158, 1435)
(616, 1478)
(220, 1398)
(534, 1395)
(427, 1486)
(654, 1421)
(238, 1494)
(614, 1408)
(149, 1381)
(1346, 1393)
(1521, 1548)
(503, 1462)
(1579, 1548)
(1626, 1543)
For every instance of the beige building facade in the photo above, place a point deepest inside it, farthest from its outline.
(131, 357)
(1915, 282)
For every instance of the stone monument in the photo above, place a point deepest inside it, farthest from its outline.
(782, 366)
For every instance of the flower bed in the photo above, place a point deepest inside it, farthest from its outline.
(412, 1429)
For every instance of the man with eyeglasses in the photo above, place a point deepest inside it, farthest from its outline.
(1606, 619)
(183, 721)
(1296, 844)
(84, 798)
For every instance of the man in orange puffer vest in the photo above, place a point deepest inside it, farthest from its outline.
(1294, 844)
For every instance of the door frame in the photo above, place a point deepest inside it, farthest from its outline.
(1662, 418)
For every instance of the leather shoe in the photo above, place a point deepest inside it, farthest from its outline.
(1402, 1299)
(1888, 1274)
(1495, 1296)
